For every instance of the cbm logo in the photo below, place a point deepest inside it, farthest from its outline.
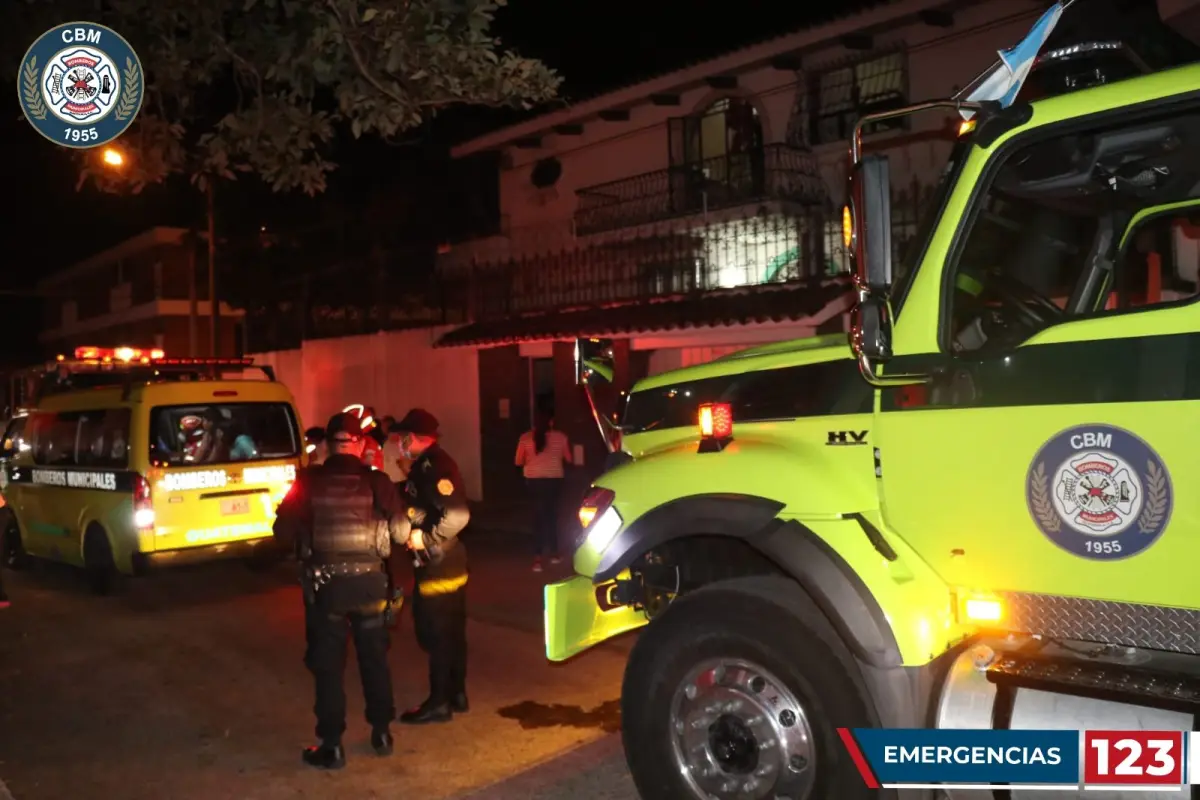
(847, 438)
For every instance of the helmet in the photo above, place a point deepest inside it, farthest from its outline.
(344, 426)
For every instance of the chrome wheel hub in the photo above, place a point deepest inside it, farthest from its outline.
(739, 732)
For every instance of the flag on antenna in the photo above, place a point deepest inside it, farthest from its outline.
(1003, 81)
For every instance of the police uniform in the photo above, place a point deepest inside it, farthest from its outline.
(438, 508)
(341, 518)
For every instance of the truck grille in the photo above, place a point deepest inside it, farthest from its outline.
(1173, 630)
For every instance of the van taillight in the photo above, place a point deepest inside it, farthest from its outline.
(143, 504)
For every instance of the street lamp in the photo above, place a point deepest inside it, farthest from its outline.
(115, 159)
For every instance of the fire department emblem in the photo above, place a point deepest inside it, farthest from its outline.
(1099, 492)
(80, 85)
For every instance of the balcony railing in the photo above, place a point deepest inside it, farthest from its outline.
(775, 172)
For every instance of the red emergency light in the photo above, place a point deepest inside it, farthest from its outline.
(716, 420)
(123, 354)
(716, 426)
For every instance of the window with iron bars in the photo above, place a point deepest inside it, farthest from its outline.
(843, 94)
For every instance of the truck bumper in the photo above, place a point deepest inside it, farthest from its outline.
(576, 617)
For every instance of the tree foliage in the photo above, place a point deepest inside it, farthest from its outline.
(262, 86)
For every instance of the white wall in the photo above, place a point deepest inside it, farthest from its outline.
(392, 372)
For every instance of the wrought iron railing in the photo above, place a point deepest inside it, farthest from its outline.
(677, 258)
(775, 172)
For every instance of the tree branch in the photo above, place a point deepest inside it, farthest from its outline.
(357, 57)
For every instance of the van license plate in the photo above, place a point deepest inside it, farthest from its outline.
(235, 505)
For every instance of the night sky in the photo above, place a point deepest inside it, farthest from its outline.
(596, 46)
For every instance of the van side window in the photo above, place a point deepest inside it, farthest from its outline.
(1160, 262)
(54, 438)
(97, 439)
(11, 445)
(104, 439)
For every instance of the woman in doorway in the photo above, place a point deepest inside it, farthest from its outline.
(541, 454)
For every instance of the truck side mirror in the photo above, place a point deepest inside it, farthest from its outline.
(594, 362)
(871, 329)
(867, 223)
(594, 359)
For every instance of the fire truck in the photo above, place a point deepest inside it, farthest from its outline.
(974, 516)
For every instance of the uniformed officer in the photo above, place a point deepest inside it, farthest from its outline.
(438, 512)
(341, 519)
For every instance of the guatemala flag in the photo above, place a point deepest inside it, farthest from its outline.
(1003, 81)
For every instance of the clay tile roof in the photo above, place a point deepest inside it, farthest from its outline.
(787, 302)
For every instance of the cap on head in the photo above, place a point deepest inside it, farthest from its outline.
(343, 427)
(419, 422)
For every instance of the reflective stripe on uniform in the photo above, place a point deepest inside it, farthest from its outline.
(442, 586)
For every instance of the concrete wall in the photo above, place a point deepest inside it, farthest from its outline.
(392, 372)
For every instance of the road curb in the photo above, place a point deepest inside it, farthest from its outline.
(544, 774)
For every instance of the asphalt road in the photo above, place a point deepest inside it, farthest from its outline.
(189, 684)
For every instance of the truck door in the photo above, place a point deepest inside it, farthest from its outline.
(1054, 450)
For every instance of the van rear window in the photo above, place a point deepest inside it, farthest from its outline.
(223, 433)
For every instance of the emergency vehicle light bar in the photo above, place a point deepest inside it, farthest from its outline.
(116, 354)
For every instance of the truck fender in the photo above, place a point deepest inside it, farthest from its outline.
(796, 550)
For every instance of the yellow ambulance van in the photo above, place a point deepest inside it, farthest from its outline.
(129, 460)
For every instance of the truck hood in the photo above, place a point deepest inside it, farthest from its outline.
(810, 350)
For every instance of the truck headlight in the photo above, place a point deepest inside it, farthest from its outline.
(604, 529)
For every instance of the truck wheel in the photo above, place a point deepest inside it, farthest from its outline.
(98, 563)
(737, 691)
(13, 549)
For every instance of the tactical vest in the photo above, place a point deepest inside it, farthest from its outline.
(346, 526)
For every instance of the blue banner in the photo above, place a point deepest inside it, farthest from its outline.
(970, 756)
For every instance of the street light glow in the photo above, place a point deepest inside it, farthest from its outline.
(113, 157)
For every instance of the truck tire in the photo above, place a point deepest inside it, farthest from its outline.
(738, 690)
(12, 549)
(99, 566)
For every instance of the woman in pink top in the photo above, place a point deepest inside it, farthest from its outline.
(542, 453)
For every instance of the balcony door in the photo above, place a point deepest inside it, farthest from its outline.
(716, 155)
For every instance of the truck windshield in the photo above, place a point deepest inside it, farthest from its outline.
(914, 248)
(222, 433)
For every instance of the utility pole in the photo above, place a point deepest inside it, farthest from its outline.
(213, 302)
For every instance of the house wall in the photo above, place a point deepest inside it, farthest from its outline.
(393, 372)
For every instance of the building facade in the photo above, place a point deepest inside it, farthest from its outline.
(698, 213)
(138, 293)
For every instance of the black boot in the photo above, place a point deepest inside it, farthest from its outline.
(459, 704)
(431, 710)
(381, 741)
(325, 756)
